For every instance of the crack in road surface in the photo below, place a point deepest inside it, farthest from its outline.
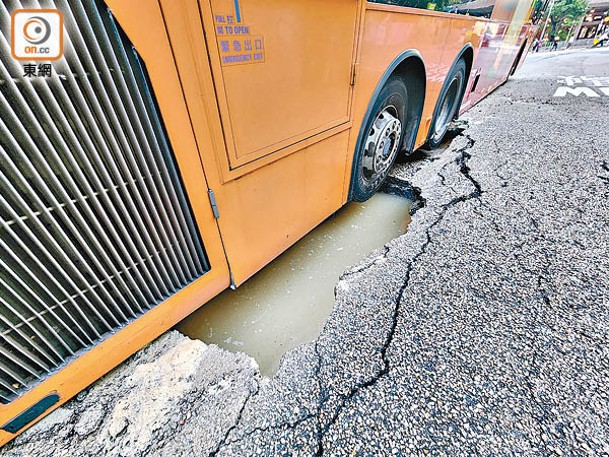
(462, 158)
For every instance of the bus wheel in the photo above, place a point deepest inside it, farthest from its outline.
(448, 104)
(382, 139)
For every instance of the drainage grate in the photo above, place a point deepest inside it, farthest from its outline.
(95, 228)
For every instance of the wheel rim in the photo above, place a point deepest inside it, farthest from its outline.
(382, 145)
(449, 105)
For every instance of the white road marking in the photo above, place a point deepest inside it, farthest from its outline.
(576, 91)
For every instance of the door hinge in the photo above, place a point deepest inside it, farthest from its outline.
(214, 204)
(354, 68)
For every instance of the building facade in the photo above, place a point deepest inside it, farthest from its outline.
(594, 24)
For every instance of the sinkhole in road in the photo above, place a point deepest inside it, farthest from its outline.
(287, 302)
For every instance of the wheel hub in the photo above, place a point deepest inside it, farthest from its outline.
(382, 143)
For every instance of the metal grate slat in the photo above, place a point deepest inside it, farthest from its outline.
(85, 95)
(95, 226)
(121, 126)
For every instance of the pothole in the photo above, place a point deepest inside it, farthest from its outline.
(287, 303)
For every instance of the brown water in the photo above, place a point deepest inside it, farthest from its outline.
(287, 303)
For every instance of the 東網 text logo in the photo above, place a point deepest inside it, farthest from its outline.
(37, 34)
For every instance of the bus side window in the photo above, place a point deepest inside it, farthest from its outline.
(478, 8)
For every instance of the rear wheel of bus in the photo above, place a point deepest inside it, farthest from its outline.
(383, 137)
(447, 107)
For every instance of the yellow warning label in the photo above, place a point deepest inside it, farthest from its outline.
(241, 49)
(235, 42)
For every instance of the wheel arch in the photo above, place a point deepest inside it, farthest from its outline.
(409, 64)
(467, 53)
(518, 58)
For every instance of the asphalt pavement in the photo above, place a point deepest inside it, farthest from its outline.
(482, 331)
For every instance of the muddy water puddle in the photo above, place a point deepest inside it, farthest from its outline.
(287, 303)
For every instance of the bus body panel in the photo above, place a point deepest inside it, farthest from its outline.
(288, 60)
(281, 196)
(495, 58)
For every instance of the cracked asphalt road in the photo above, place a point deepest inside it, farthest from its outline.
(482, 331)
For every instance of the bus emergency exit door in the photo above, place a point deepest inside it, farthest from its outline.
(282, 70)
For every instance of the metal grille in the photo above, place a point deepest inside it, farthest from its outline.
(95, 228)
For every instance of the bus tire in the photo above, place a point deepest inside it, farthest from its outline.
(383, 137)
(449, 101)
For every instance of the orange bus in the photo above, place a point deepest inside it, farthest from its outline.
(176, 147)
